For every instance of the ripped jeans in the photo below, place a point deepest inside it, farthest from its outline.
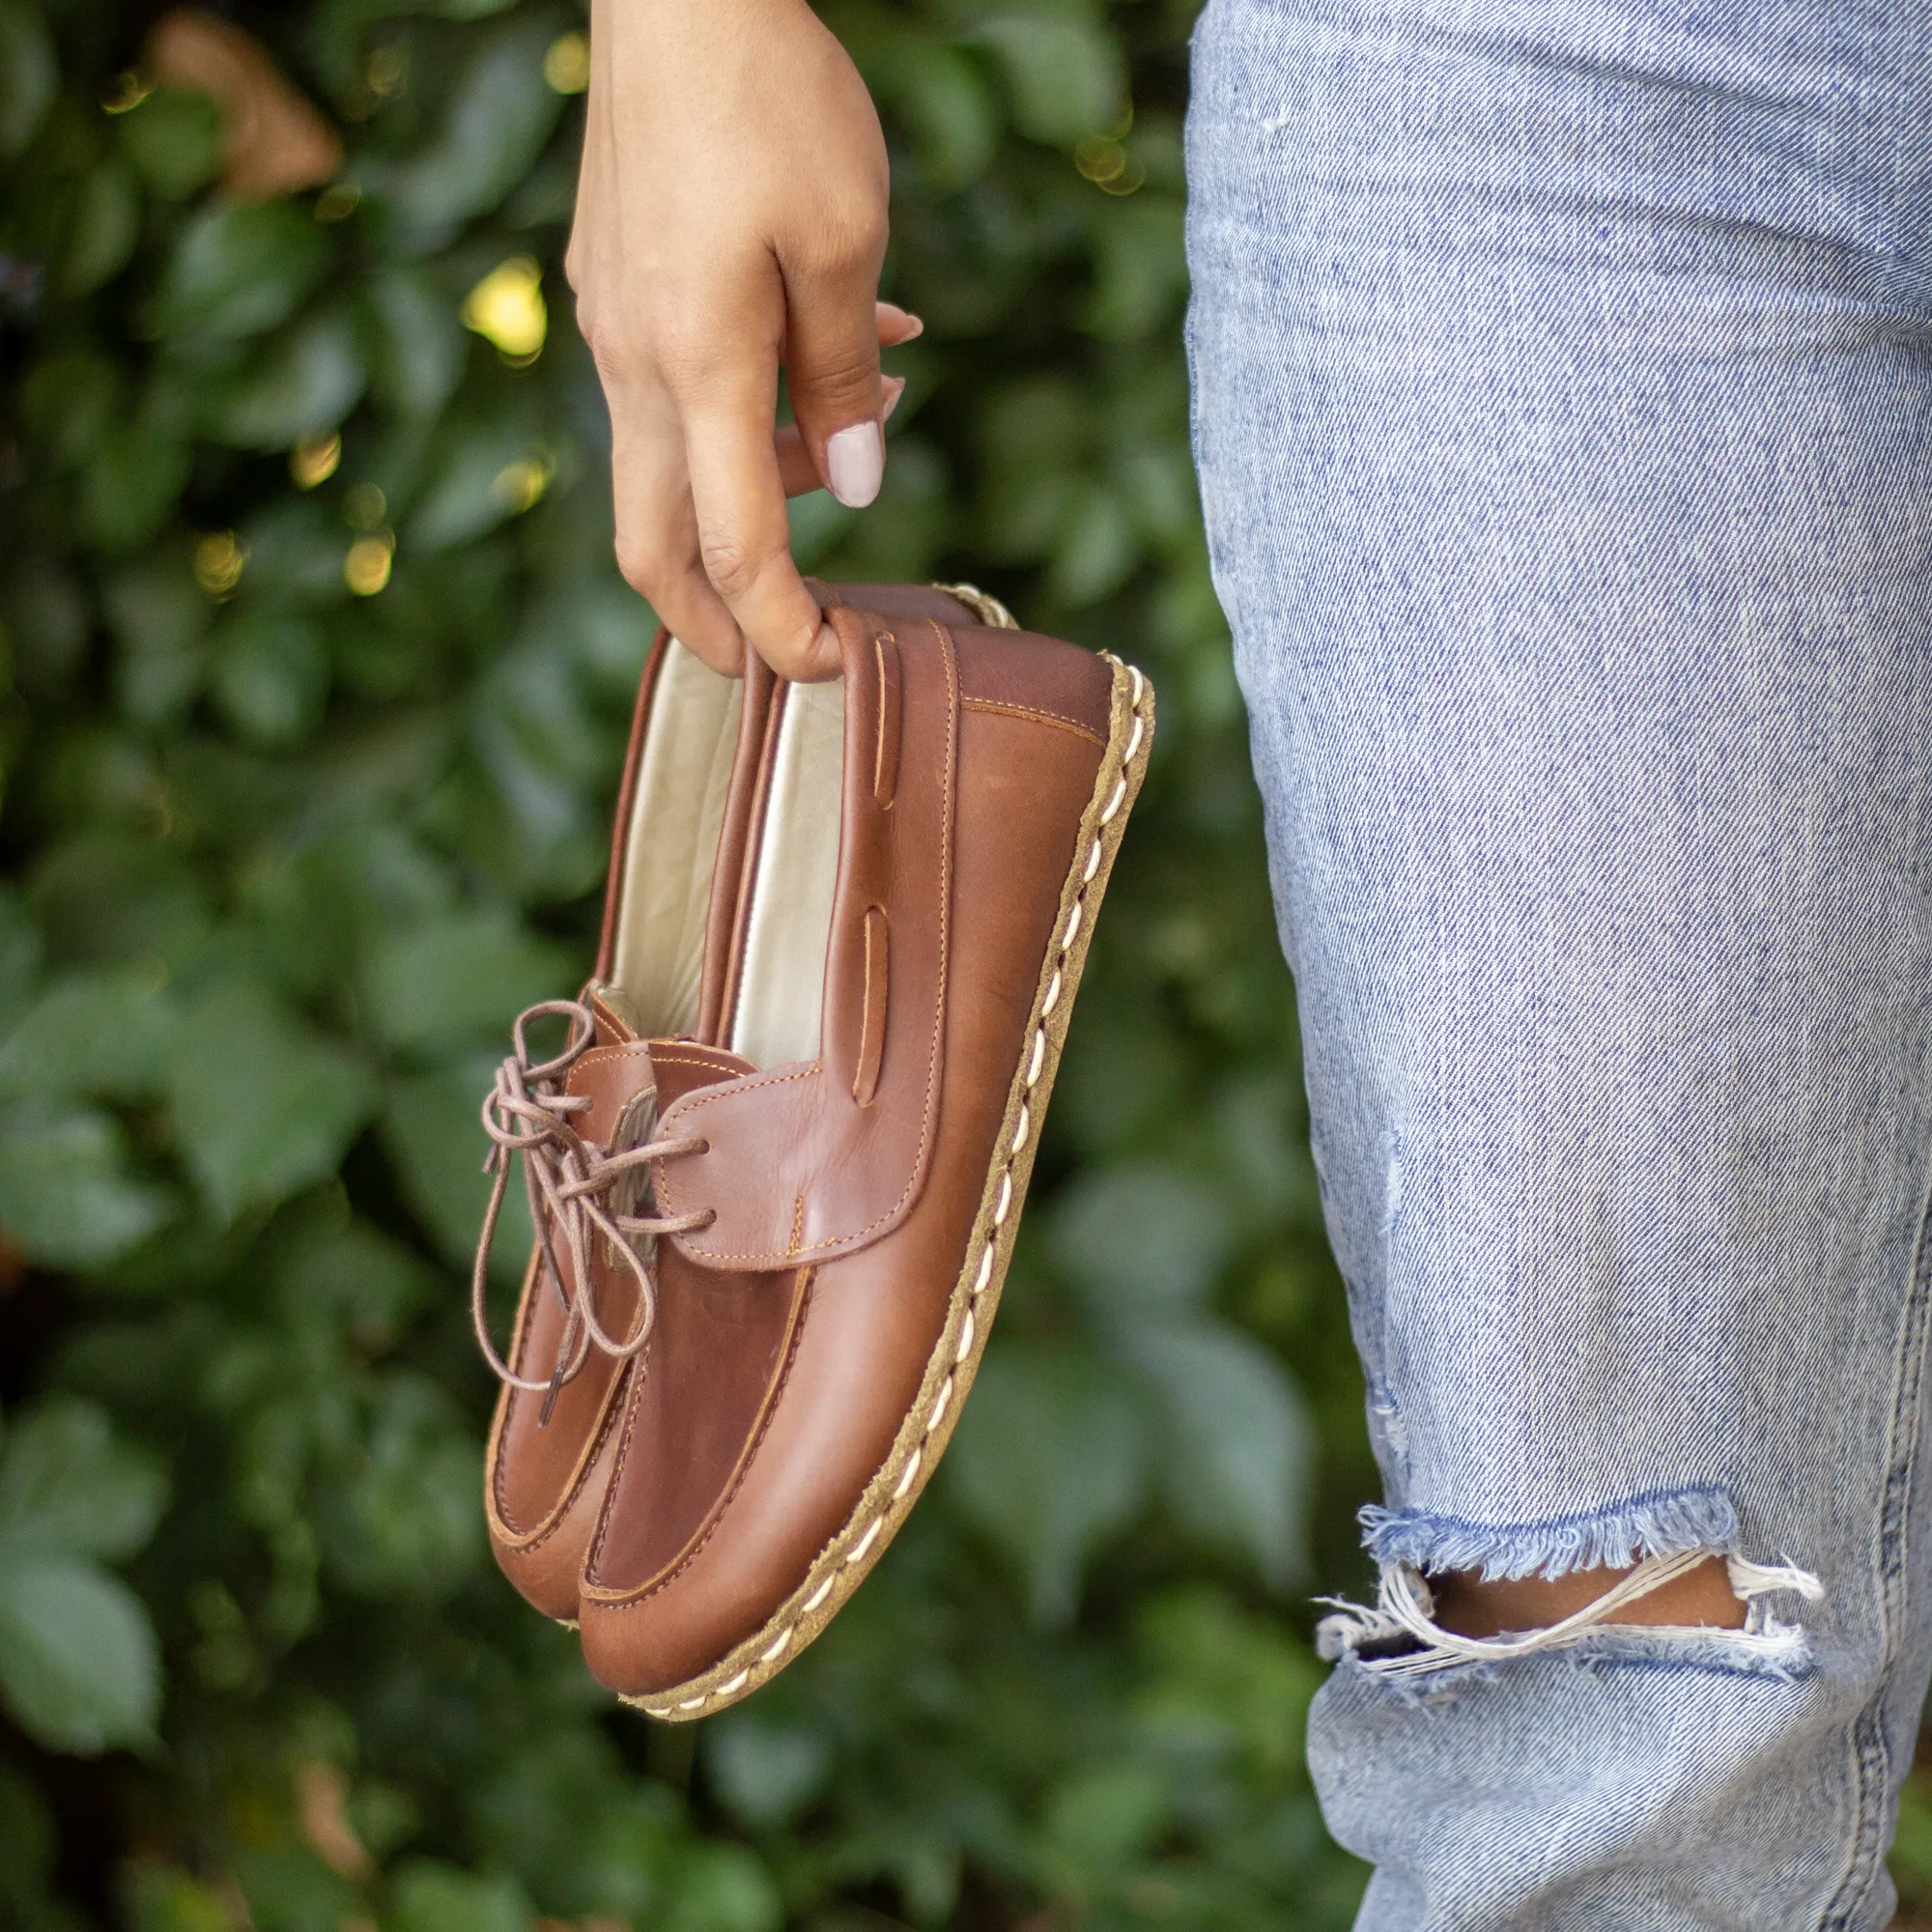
(1563, 377)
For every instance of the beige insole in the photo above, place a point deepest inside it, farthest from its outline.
(781, 983)
(684, 774)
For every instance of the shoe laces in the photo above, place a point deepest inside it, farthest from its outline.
(580, 1191)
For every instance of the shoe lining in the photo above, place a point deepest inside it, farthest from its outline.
(781, 985)
(671, 851)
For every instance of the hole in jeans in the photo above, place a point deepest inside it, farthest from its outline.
(1473, 1604)
(1706, 1611)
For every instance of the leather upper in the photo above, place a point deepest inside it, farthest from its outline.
(796, 1330)
(820, 1157)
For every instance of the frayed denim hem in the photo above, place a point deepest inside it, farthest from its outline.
(1660, 1523)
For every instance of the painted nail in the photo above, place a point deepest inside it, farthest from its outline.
(855, 459)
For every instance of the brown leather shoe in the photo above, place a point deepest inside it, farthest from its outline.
(840, 1153)
(583, 1119)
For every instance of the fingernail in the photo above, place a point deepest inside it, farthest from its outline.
(855, 459)
(915, 328)
(892, 387)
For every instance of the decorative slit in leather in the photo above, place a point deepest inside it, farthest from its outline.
(886, 755)
(872, 1021)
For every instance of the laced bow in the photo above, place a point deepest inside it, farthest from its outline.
(577, 1189)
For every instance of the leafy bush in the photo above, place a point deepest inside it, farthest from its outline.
(317, 676)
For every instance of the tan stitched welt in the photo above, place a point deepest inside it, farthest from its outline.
(863, 1538)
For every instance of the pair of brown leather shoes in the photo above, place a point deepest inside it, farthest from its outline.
(778, 1166)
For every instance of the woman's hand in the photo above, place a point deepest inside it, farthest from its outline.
(730, 217)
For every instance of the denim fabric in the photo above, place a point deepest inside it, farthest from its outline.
(1564, 414)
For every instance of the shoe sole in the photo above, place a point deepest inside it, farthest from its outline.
(849, 1555)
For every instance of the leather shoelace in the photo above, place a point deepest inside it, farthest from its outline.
(575, 1188)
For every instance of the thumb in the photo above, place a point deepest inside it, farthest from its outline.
(832, 367)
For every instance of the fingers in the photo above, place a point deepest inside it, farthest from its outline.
(744, 537)
(896, 324)
(657, 529)
(797, 465)
(699, 481)
(796, 469)
(833, 326)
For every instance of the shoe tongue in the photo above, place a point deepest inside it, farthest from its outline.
(683, 1065)
(612, 1013)
(611, 1074)
(621, 1066)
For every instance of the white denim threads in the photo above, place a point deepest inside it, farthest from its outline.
(1563, 378)
(1404, 1615)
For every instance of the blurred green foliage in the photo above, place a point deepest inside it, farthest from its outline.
(316, 671)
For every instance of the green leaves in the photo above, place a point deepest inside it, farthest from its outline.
(476, 487)
(1065, 73)
(107, 225)
(238, 271)
(1240, 1442)
(131, 486)
(28, 75)
(79, 1667)
(399, 1516)
(68, 1486)
(174, 142)
(66, 1195)
(297, 840)
(308, 380)
(78, 1661)
(270, 674)
(1051, 1459)
(432, 1129)
(67, 1192)
(767, 1772)
(449, 980)
(432, 1898)
(1064, 1445)
(498, 117)
(418, 344)
(262, 1105)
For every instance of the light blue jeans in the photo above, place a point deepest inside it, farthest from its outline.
(1564, 416)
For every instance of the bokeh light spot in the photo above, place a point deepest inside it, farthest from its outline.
(567, 64)
(366, 568)
(507, 308)
(314, 458)
(519, 485)
(219, 559)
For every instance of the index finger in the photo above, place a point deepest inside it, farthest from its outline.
(744, 536)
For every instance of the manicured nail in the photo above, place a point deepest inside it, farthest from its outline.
(855, 459)
(891, 390)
